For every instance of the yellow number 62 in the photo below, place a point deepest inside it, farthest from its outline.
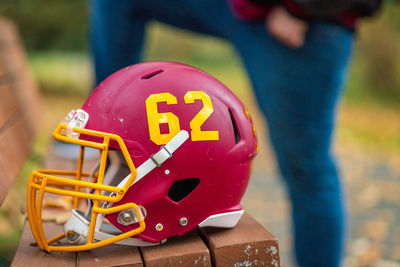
(155, 118)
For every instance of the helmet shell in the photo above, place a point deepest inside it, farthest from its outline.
(219, 168)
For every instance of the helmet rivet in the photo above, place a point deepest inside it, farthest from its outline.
(72, 236)
(183, 221)
(159, 227)
(126, 217)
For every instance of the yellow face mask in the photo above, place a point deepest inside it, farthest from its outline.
(71, 183)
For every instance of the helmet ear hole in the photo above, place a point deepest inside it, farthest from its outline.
(182, 188)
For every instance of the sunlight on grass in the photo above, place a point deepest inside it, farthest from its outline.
(62, 73)
(371, 126)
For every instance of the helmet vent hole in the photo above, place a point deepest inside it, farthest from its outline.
(152, 74)
(235, 128)
(182, 188)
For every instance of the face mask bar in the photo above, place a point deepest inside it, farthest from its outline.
(69, 183)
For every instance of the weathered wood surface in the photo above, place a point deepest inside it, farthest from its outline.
(19, 106)
(28, 254)
(14, 148)
(248, 244)
(9, 104)
(187, 250)
(113, 255)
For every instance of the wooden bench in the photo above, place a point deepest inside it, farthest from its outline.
(248, 244)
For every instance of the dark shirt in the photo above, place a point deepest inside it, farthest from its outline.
(347, 17)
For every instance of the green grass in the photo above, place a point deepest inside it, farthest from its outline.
(61, 73)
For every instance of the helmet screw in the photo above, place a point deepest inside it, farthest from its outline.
(183, 221)
(72, 236)
(159, 227)
(126, 217)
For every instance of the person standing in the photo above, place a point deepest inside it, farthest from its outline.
(296, 53)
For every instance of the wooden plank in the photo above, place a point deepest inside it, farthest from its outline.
(57, 163)
(28, 96)
(7, 36)
(20, 93)
(3, 69)
(112, 255)
(15, 143)
(187, 250)
(14, 70)
(7, 29)
(8, 103)
(54, 161)
(247, 244)
(28, 254)
(12, 54)
(19, 103)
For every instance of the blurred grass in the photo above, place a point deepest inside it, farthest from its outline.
(375, 71)
(363, 120)
(367, 118)
(61, 73)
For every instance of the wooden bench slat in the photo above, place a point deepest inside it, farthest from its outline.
(29, 255)
(12, 54)
(29, 98)
(8, 30)
(19, 106)
(247, 244)
(14, 70)
(54, 162)
(187, 250)
(8, 104)
(14, 148)
(112, 255)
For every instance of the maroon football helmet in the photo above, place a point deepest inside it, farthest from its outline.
(175, 143)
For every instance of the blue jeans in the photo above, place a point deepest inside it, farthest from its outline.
(297, 90)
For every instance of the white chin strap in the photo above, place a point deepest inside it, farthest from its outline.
(77, 226)
(157, 159)
(77, 229)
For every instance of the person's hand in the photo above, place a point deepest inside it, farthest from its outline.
(286, 28)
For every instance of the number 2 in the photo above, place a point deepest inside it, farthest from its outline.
(155, 118)
(195, 124)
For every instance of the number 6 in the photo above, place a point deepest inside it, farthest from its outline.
(155, 119)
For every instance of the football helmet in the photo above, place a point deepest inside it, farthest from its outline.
(176, 149)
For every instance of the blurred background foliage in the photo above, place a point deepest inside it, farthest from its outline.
(55, 34)
(61, 26)
(49, 24)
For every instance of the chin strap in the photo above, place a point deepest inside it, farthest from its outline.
(77, 226)
(77, 229)
(157, 159)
